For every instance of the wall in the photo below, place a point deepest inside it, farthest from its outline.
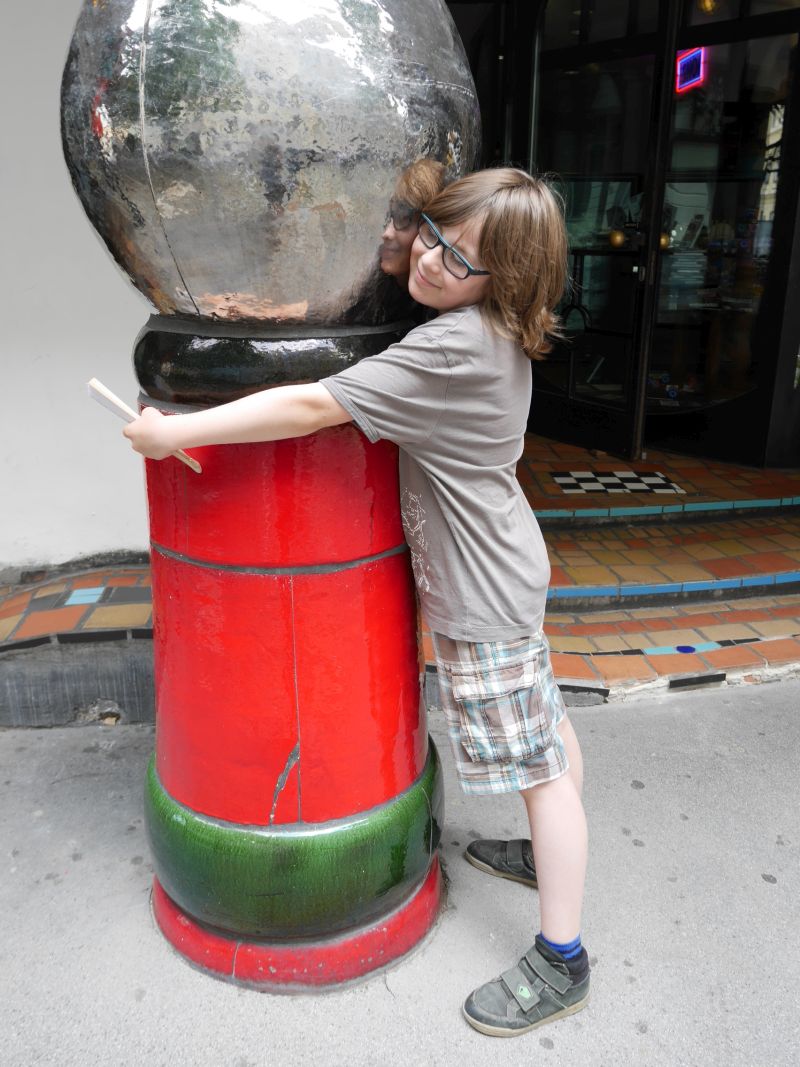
(70, 485)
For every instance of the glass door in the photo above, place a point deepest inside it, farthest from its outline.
(713, 351)
(594, 132)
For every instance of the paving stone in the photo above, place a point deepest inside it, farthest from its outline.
(639, 575)
(575, 667)
(7, 625)
(59, 587)
(640, 556)
(702, 552)
(685, 572)
(792, 611)
(592, 575)
(678, 663)
(89, 581)
(733, 656)
(588, 629)
(676, 637)
(624, 668)
(730, 631)
(774, 628)
(701, 618)
(571, 644)
(14, 605)
(780, 651)
(39, 623)
(612, 643)
(126, 616)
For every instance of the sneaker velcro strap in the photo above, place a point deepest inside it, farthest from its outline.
(520, 987)
(514, 855)
(536, 961)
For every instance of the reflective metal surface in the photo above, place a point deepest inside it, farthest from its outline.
(238, 158)
(180, 362)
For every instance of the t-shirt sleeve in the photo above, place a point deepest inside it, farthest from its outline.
(398, 395)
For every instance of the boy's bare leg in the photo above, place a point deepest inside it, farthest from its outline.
(559, 836)
(493, 856)
(574, 754)
(545, 985)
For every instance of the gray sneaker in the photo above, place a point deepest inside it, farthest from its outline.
(504, 859)
(539, 990)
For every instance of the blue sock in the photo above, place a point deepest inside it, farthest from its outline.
(569, 949)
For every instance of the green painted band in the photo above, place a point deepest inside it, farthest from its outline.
(296, 880)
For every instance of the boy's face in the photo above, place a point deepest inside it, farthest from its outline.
(431, 284)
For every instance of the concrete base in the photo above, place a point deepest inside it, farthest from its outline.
(59, 684)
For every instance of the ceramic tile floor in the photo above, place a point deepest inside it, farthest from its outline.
(623, 561)
(708, 485)
(694, 643)
(87, 606)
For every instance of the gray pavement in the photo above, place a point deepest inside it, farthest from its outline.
(691, 912)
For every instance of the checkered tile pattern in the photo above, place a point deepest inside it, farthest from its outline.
(616, 482)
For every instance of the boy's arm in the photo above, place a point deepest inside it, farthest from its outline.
(271, 415)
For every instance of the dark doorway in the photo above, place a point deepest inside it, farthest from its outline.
(499, 39)
(673, 132)
(667, 126)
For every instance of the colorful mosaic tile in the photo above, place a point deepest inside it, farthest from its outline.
(741, 552)
(707, 485)
(86, 603)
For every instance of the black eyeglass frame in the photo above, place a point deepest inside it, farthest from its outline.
(447, 247)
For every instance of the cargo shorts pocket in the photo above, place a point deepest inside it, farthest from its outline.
(503, 714)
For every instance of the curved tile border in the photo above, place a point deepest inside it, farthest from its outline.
(689, 508)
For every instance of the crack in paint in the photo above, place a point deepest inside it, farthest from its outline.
(294, 756)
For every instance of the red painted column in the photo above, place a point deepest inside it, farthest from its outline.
(288, 701)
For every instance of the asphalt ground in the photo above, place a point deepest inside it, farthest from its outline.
(691, 911)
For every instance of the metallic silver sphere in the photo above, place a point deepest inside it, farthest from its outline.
(238, 156)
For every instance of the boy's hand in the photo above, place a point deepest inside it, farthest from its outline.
(150, 435)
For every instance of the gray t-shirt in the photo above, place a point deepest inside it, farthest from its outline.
(455, 397)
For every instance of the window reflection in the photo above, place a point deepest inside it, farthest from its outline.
(766, 7)
(701, 12)
(594, 131)
(572, 22)
(719, 208)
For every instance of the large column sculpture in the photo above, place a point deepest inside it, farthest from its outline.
(237, 157)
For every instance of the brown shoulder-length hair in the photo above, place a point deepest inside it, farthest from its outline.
(523, 245)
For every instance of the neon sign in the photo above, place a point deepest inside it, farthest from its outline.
(690, 70)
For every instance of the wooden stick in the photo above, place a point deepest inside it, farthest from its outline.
(109, 400)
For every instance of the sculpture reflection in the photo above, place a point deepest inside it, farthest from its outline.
(416, 187)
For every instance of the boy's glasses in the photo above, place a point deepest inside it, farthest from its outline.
(452, 259)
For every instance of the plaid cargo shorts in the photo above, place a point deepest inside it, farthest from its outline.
(503, 708)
